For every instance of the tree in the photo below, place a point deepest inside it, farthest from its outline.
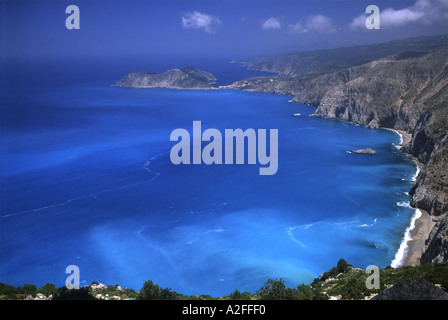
(167, 294)
(151, 291)
(304, 292)
(8, 291)
(235, 295)
(273, 290)
(48, 289)
(342, 266)
(28, 289)
(73, 294)
(354, 288)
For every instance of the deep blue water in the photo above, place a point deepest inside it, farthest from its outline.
(86, 180)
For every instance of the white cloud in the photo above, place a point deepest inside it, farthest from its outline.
(270, 24)
(314, 24)
(422, 12)
(198, 20)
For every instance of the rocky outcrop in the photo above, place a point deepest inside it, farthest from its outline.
(412, 289)
(39, 296)
(430, 192)
(186, 78)
(98, 287)
(363, 151)
(437, 243)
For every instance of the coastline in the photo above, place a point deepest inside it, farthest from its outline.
(416, 239)
(419, 227)
(405, 137)
(413, 244)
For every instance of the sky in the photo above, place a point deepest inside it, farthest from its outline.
(233, 29)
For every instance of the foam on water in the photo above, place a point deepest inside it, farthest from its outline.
(403, 249)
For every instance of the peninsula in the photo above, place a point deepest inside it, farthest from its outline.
(186, 78)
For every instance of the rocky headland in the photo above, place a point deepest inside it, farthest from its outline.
(186, 78)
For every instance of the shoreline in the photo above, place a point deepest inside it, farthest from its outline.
(405, 137)
(417, 236)
(413, 244)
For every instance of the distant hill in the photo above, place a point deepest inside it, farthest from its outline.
(186, 78)
(325, 61)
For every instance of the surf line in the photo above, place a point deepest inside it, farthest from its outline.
(82, 197)
(212, 153)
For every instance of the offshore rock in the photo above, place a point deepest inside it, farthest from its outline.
(363, 151)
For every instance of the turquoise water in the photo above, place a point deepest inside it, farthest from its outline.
(87, 180)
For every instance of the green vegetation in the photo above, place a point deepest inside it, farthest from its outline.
(151, 291)
(341, 282)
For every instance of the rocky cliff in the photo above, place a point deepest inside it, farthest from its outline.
(406, 91)
(186, 78)
(413, 289)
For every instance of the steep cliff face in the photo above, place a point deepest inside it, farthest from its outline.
(407, 91)
(387, 92)
(430, 191)
(436, 250)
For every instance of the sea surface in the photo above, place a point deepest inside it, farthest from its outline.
(86, 180)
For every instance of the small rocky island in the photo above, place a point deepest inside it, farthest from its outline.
(186, 78)
(363, 151)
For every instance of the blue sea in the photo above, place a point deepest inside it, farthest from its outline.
(86, 180)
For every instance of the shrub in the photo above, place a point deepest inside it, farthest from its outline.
(73, 294)
(48, 289)
(151, 291)
(273, 290)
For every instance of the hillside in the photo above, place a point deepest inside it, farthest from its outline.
(326, 61)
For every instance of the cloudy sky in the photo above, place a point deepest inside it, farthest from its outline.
(228, 28)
